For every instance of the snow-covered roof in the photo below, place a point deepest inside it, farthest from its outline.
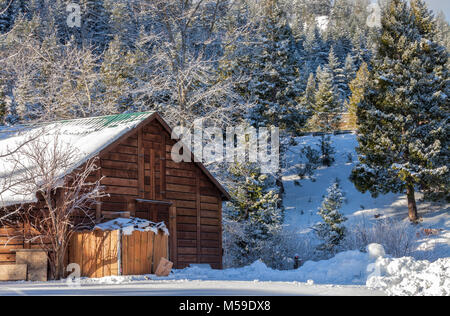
(129, 225)
(88, 136)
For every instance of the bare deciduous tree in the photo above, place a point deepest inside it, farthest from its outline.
(184, 47)
(66, 193)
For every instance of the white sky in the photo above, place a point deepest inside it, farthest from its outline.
(437, 6)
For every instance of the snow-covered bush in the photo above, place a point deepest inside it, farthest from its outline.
(398, 238)
(312, 162)
(277, 252)
(331, 231)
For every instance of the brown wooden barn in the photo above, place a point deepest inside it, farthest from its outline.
(142, 179)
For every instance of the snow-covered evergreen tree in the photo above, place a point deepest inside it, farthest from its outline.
(274, 84)
(309, 94)
(331, 231)
(404, 116)
(255, 209)
(339, 79)
(357, 87)
(326, 116)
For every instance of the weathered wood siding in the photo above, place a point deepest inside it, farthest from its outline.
(140, 167)
(97, 253)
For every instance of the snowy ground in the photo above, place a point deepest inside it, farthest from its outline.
(301, 202)
(187, 288)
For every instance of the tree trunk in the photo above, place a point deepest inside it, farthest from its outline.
(412, 207)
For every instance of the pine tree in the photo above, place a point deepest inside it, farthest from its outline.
(274, 84)
(326, 106)
(349, 69)
(357, 87)
(254, 205)
(339, 79)
(326, 117)
(331, 231)
(309, 95)
(404, 116)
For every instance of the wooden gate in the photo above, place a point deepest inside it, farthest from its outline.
(106, 253)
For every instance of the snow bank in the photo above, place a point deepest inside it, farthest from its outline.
(402, 276)
(345, 268)
(407, 276)
(128, 225)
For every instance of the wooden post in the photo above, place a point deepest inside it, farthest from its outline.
(141, 164)
(119, 252)
(173, 235)
(98, 206)
(219, 201)
(131, 206)
(198, 200)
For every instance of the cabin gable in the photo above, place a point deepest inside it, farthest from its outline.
(139, 168)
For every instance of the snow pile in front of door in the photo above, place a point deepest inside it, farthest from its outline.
(129, 225)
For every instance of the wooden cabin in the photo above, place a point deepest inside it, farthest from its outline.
(142, 179)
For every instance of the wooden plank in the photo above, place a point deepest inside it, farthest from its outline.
(187, 250)
(182, 181)
(120, 165)
(125, 255)
(121, 157)
(181, 188)
(187, 219)
(210, 229)
(79, 253)
(198, 202)
(115, 235)
(163, 164)
(164, 267)
(186, 212)
(121, 190)
(210, 221)
(7, 257)
(123, 149)
(112, 214)
(107, 253)
(36, 262)
(220, 232)
(209, 207)
(181, 196)
(118, 173)
(186, 235)
(210, 244)
(210, 199)
(210, 214)
(13, 272)
(159, 249)
(141, 162)
(173, 249)
(150, 245)
(152, 175)
(119, 182)
(179, 173)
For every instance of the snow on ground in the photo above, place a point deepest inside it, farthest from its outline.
(348, 273)
(349, 268)
(123, 287)
(301, 202)
(406, 276)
